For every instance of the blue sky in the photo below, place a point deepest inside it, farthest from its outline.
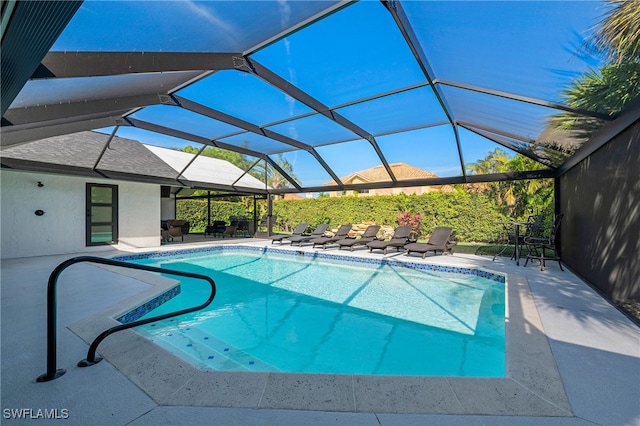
(520, 47)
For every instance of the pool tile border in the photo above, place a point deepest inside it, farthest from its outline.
(140, 311)
(320, 255)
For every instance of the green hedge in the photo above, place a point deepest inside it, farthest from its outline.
(195, 211)
(471, 215)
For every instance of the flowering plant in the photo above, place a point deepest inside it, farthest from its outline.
(413, 220)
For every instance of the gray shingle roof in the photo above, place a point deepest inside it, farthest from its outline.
(123, 158)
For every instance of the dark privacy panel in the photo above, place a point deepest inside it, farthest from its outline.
(600, 234)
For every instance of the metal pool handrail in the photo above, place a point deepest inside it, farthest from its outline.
(53, 373)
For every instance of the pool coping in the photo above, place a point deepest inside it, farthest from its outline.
(532, 386)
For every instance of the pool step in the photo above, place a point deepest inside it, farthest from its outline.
(203, 349)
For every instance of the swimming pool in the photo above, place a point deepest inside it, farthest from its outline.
(284, 311)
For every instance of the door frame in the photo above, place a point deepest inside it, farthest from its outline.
(114, 214)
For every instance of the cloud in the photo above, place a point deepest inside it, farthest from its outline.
(210, 16)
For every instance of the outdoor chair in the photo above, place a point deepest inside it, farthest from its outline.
(538, 246)
(216, 228)
(263, 225)
(319, 232)
(241, 223)
(230, 231)
(175, 228)
(440, 240)
(398, 240)
(299, 230)
(368, 236)
(341, 233)
(243, 227)
(168, 233)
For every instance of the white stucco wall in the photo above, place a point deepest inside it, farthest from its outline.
(168, 207)
(61, 230)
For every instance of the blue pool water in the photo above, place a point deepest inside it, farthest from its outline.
(277, 312)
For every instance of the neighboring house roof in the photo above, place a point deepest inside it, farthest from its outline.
(78, 153)
(402, 171)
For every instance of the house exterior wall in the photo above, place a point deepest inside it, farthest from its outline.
(600, 231)
(61, 230)
(168, 207)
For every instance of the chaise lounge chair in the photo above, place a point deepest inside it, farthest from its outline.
(398, 240)
(438, 241)
(341, 233)
(368, 236)
(297, 231)
(319, 232)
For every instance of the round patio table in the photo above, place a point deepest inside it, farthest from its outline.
(516, 227)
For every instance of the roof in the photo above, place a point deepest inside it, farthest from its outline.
(402, 171)
(91, 153)
(434, 84)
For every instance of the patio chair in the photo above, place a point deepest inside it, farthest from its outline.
(241, 223)
(263, 225)
(176, 228)
(440, 240)
(537, 246)
(368, 236)
(168, 233)
(216, 228)
(299, 230)
(230, 231)
(319, 232)
(341, 233)
(399, 239)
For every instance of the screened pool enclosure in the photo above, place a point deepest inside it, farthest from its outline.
(303, 93)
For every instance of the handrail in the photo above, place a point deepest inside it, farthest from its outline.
(53, 373)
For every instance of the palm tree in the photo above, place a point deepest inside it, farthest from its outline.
(610, 88)
(273, 177)
(619, 33)
(518, 197)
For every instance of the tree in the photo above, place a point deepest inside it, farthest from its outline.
(608, 89)
(619, 34)
(516, 199)
(274, 178)
(223, 154)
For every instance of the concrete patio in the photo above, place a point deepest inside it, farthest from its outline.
(596, 351)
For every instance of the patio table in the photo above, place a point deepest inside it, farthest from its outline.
(516, 227)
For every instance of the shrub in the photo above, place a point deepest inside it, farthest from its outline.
(195, 211)
(412, 220)
(472, 216)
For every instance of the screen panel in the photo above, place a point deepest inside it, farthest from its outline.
(244, 96)
(352, 54)
(423, 153)
(533, 49)
(181, 26)
(314, 130)
(186, 121)
(398, 112)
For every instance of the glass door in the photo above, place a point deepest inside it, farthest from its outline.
(102, 214)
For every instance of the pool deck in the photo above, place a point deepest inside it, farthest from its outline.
(595, 349)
